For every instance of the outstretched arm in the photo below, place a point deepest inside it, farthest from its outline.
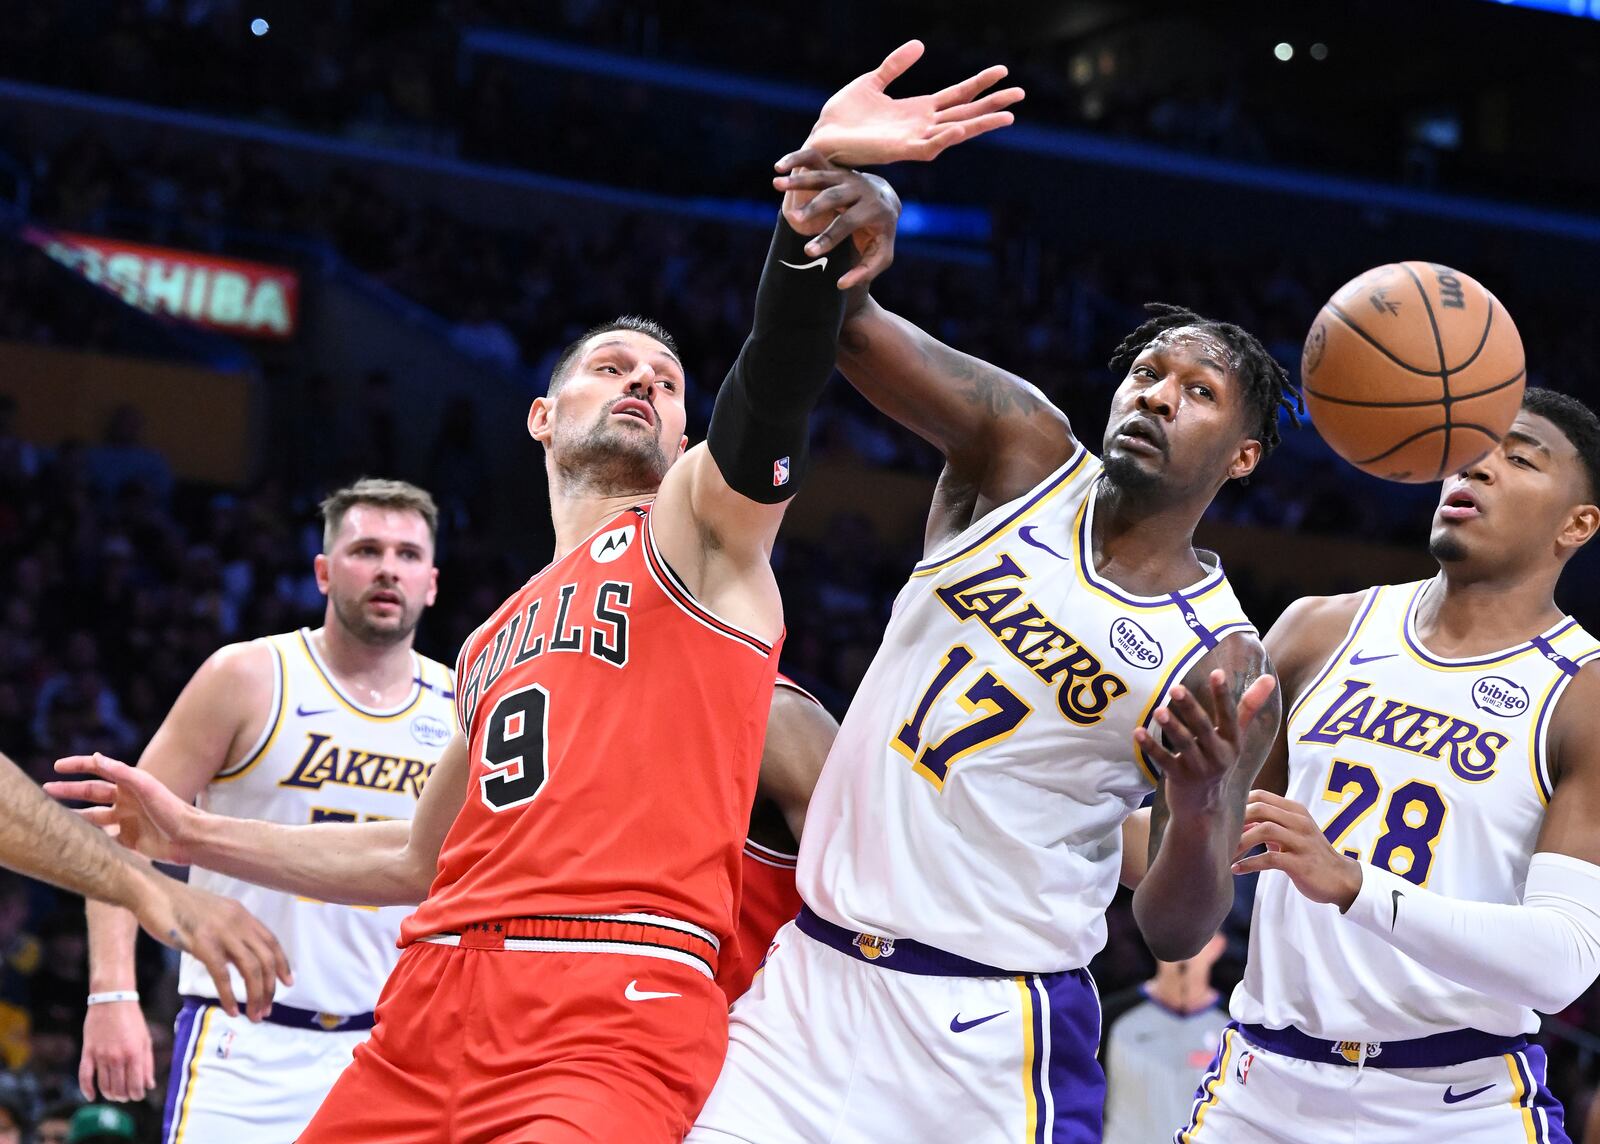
(364, 864)
(43, 841)
(1217, 727)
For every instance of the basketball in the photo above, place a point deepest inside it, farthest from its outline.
(1412, 371)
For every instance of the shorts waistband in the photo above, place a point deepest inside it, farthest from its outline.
(1456, 1047)
(290, 1017)
(644, 935)
(901, 954)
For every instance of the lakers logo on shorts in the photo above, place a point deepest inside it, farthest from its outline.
(330, 1021)
(873, 947)
(1353, 1051)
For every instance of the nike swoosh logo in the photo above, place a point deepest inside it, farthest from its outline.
(304, 714)
(634, 993)
(1458, 1097)
(812, 265)
(1357, 659)
(957, 1025)
(1025, 532)
(1395, 896)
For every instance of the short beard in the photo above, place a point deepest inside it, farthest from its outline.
(366, 632)
(1446, 548)
(1126, 475)
(608, 461)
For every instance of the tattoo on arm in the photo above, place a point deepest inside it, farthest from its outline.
(989, 388)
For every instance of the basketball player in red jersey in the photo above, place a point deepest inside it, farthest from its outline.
(799, 735)
(580, 836)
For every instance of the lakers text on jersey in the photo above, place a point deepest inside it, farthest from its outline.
(321, 757)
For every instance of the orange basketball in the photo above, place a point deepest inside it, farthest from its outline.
(1412, 371)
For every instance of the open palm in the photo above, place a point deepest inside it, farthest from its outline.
(862, 125)
(130, 804)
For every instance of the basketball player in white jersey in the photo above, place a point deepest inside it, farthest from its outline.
(339, 724)
(964, 838)
(1433, 877)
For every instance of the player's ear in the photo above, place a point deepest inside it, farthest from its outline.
(539, 419)
(433, 586)
(320, 567)
(683, 444)
(1245, 460)
(1581, 525)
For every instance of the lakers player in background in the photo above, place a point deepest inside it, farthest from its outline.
(964, 838)
(343, 724)
(1432, 876)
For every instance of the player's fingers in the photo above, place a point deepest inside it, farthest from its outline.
(836, 198)
(113, 1077)
(82, 790)
(1269, 860)
(1179, 736)
(947, 137)
(805, 157)
(810, 180)
(86, 1069)
(969, 88)
(894, 65)
(875, 259)
(988, 105)
(1224, 717)
(1253, 700)
(216, 964)
(254, 961)
(1154, 750)
(1289, 819)
(147, 1069)
(1265, 833)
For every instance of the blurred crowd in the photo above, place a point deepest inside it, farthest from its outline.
(117, 579)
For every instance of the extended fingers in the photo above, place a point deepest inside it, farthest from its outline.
(988, 105)
(1255, 698)
(894, 65)
(964, 91)
(1154, 749)
(83, 790)
(875, 259)
(805, 157)
(811, 179)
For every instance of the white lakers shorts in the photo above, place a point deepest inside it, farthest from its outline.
(1262, 1089)
(235, 1082)
(845, 1037)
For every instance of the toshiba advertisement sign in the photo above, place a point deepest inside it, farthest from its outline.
(230, 295)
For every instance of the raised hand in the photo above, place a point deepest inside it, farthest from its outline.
(1200, 755)
(1296, 845)
(861, 125)
(833, 204)
(132, 805)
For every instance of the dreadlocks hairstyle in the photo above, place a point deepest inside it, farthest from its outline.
(1267, 384)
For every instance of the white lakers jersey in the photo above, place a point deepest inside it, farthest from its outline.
(1434, 768)
(974, 798)
(325, 758)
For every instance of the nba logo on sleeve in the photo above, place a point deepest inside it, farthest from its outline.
(780, 472)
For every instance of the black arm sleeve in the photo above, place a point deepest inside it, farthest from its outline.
(760, 426)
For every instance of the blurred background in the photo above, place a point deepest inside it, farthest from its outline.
(249, 251)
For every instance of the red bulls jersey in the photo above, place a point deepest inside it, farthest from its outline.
(768, 900)
(614, 729)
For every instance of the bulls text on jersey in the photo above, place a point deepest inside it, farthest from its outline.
(597, 627)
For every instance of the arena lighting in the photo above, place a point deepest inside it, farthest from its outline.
(1584, 8)
(1284, 52)
(1319, 52)
(259, 27)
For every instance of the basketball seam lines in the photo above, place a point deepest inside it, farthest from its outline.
(1444, 368)
(1484, 392)
(1484, 429)
(1377, 345)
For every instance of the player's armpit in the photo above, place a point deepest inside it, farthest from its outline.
(1000, 436)
(1574, 754)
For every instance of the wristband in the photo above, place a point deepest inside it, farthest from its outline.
(113, 995)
